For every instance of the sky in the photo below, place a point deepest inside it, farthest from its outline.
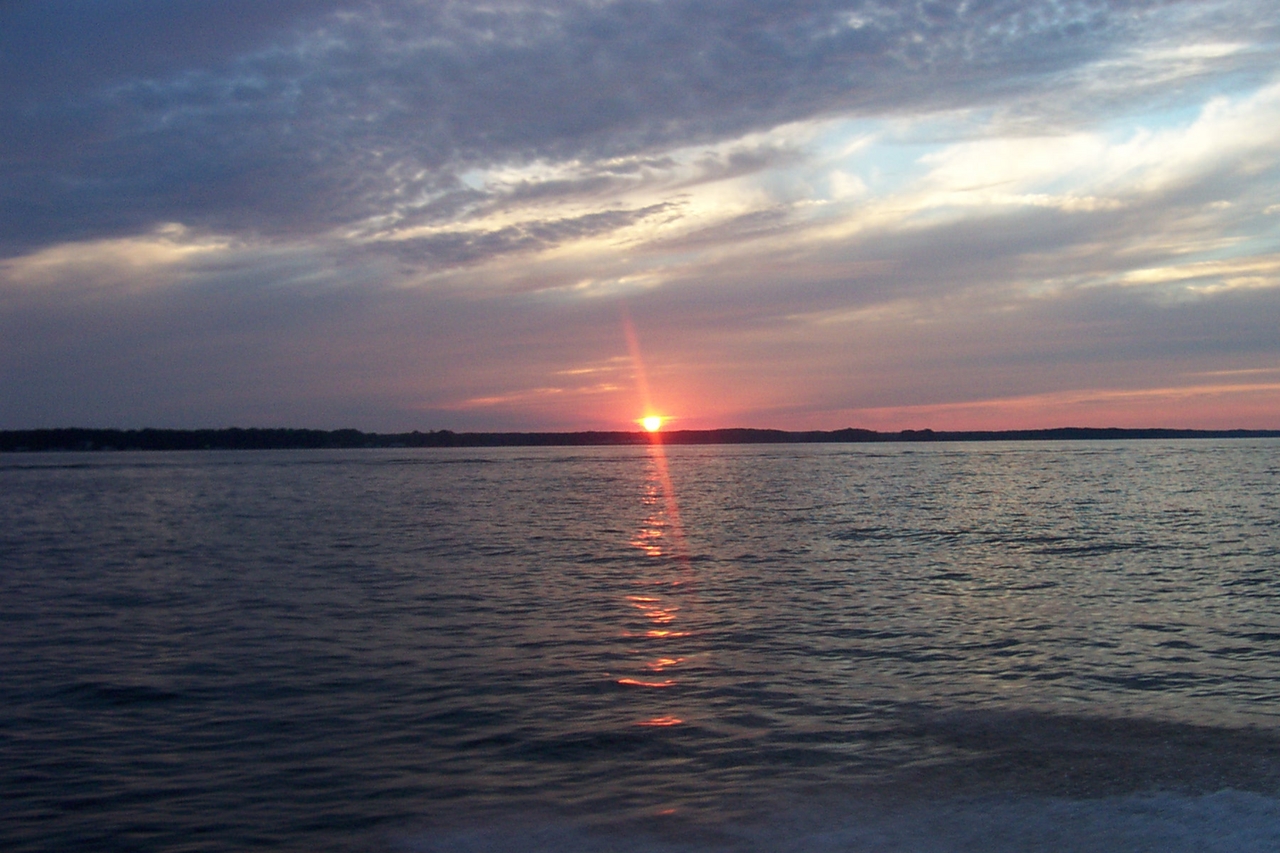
(402, 214)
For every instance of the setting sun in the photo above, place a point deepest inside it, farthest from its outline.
(652, 423)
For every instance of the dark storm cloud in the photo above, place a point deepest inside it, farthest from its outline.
(288, 117)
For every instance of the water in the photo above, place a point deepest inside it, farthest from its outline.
(994, 647)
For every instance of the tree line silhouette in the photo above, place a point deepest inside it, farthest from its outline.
(235, 438)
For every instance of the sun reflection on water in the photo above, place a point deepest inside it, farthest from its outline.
(636, 682)
(662, 663)
(665, 578)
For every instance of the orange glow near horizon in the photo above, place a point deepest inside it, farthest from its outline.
(652, 423)
(1251, 406)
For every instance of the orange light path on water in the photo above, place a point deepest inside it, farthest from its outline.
(662, 538)
(636, 682)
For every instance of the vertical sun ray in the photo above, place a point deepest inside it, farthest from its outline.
(637, 363)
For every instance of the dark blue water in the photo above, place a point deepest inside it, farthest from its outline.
(1040, 646)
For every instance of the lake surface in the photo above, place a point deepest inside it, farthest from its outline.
(889, 647)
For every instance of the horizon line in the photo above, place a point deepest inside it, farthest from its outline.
(297, 438)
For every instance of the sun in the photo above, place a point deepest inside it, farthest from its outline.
(652, 423)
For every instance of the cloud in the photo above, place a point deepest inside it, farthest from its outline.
(449, 248)
(308, 116)
(130, 263)
(424, 214)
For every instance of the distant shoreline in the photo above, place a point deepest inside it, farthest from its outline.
(235, 438)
